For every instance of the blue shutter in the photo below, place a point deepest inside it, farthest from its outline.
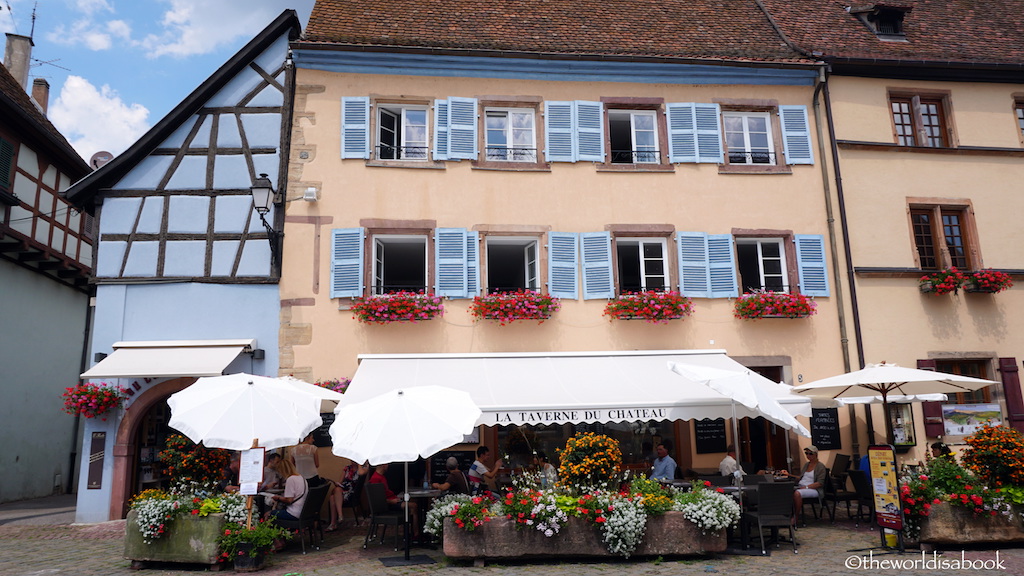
(722, 266)
(440, 129)
(562, 256)
(355, 127)
(589, 131)
(796, 135)
(707, 121)
(450, 247)
(597, 265)
(682, 133)
(559, 129)
(472, 264)
(694, 269)
(462, 132)
(810, 261)
(346, 262)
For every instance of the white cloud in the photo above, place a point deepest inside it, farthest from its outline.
(120, 29)
(193, 27)
(94, 120)
(93, 6)
(83, 32)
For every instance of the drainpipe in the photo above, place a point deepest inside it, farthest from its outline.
(83, 366)
(822, 83)
(844, 224)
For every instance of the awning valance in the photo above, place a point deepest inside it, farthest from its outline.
(169, 358)
(567, 387)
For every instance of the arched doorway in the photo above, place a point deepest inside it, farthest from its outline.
(126, 444)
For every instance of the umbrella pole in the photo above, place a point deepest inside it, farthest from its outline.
(888, 420)
(248, 499)
(406, 498)
(736, 446)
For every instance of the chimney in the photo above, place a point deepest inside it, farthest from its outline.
(41, 93)
(16, 57)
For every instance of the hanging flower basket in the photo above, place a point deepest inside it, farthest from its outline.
(758, 304)
(93, 400)
(943, 282)
(987, 281)
(650, 306)
(397, 307)
(507, 307)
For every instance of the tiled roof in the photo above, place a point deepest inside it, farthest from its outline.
(729, 30)
(948, 31)
(13, 95)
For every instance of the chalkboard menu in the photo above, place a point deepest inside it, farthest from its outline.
(825, 428)
(321, 436)
(710, 435)
(438, 471)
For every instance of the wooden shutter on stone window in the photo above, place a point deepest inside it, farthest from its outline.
(932, 411)
(1011, 390)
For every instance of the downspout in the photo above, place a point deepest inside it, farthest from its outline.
(83, 366)
(854, 306)
(822, 83)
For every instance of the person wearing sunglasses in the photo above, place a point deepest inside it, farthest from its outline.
(810, 482)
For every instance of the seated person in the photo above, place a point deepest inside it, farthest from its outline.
(548, 473)
(295, 489)
(343, 493)
(393, 500)
(811, 483)
(664, 466)
(456, 482)
(480, 476)
(229, 476)
(941, 450)
(728, 466)
(271, 479)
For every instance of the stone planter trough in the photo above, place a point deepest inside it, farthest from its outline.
(190, 539)
(667, 535)
(955, 526)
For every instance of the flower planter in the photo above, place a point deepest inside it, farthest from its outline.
(397, 307)
(508, 307)
(955, 525)
(926, 288)
(650, 306)
(767, 304)
(972, 287)
(248, 559)
(667, 535)
(189, 539)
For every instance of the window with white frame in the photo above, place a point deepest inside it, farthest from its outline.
(401, 132)
(633, 135)
(512, 264)
(510, 134)
(762, 264)
(399, 264)
(748, 137)
(642, 264)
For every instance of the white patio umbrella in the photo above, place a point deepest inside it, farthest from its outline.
(403, 425)
(328, 398)
(232, 411)
(885, 380)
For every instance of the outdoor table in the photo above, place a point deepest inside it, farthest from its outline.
(425, 497)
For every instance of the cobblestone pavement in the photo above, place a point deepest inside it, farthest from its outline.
(34, 549)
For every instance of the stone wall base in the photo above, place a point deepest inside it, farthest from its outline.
(947, 524)
(667, 535)
(190, 539)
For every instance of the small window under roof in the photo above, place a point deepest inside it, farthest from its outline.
(884, 20)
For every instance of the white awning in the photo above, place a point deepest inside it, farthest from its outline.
(169, 358)
(567, 387)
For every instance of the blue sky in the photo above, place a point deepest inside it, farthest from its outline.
(116, 67)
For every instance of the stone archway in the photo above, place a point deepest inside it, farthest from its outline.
(124, 442)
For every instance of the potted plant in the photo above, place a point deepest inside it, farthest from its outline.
(507, 307)
(396, 307)
(93, 400)
(768, 304)
(338, 385)
(943, 282)
(249, 547)
(178, 527)
(987, 281)
(650, 306)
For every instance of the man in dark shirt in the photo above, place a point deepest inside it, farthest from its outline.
(456, 482)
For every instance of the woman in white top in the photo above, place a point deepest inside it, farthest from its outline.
(295, 490)
(306, 459)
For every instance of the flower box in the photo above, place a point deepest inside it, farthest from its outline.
(508, 307)
(669, 534)
(942, 282)
(650, 306)
(768, 304)
(93, 400)
(987, 281)
(189, 539)
(397, 307)
(956, 525)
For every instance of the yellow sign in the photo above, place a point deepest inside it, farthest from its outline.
(885, 485)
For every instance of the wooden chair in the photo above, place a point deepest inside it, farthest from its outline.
(381, 516)
(774, 510)
(309, 518)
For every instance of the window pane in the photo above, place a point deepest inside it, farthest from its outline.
(924, 240)
(400, 265)
(629, 266)
(954, 239)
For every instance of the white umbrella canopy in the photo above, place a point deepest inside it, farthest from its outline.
(329, 399)
(403, 425)
(889, 380)
(231, 411)
(742, 388)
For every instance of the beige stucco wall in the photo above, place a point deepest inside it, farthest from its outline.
(320, 339)
(899, 323)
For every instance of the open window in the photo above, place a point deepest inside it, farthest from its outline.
(512, 264)
(510, 135)
(633, 136)
(920, 120)
(762, 264)
(642, 264)
(401, 132)
(943, 237)
(400, 264)
(748, 137)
